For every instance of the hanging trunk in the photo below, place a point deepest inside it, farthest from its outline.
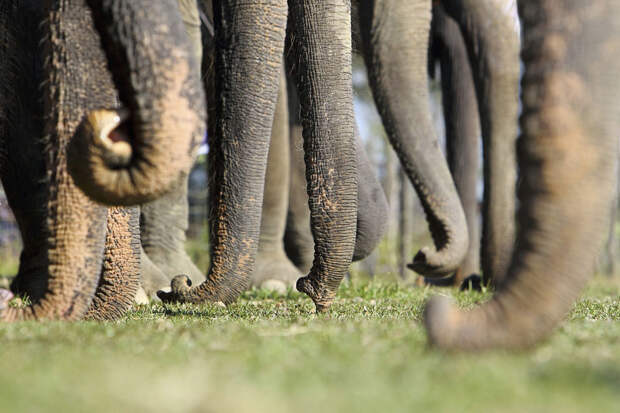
(493, 46)
(246, 70)
(134, 155)
(570, 122)
(395, 36)
(322, 49)
(460, 110)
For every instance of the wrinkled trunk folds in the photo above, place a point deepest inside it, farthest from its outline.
(395, 47)
(493, 47)
(133, 155)
(247, 68)
(461, 116)
(322, 48)
(566, 154)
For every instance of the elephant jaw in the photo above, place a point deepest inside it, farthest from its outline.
(109, 129)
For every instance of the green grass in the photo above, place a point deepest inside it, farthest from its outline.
(272, 354)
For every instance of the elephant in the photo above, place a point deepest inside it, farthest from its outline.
(60, 145)
(419, 152)
(247, 70)
(461, 113)
(566, 154)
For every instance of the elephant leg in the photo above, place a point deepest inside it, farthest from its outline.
(493, 47)
(249, 40)
(372, 205)
(321, 33)
(462, 127)
(120, 275)
(298, 241)
(75, 232)
(273, 268)
(163, 224)
(152, 278)
(395, 35)
(571, 112)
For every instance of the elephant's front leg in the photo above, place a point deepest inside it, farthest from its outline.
(322, 47)
(249, 47)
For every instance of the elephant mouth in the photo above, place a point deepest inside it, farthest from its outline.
(110, 130)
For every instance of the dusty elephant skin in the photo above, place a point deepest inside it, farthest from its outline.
(566, 153)
(136, 155)
(246, 88)
(328, 130)
(75, 266)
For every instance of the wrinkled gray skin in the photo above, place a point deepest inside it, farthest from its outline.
(249, 41)
(81, 258)
(164, 222)
(460, 109)
(458, 38)
(566, 153)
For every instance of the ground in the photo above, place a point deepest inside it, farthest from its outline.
(266, 354)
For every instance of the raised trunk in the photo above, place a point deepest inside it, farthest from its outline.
(395, 36)
(493, 46)
(461, 116)
(77, 226)
(247, 69)
(322, 48)
(131, 157)
(569, 123)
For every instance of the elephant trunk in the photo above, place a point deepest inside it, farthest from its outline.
(132, 155)
(569, 123)
(249, 40)
(460, 109)
(395, 49)
(493, 46)
(322, 47)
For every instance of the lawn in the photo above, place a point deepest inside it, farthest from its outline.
(272, 354)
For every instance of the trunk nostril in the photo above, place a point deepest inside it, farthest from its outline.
(111, 132)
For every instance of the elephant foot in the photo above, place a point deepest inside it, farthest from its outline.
(274, 271)
(153, 279)
(141, 297)
(321, 297)
(5, 297)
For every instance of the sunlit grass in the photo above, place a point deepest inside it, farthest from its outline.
(268, 353)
